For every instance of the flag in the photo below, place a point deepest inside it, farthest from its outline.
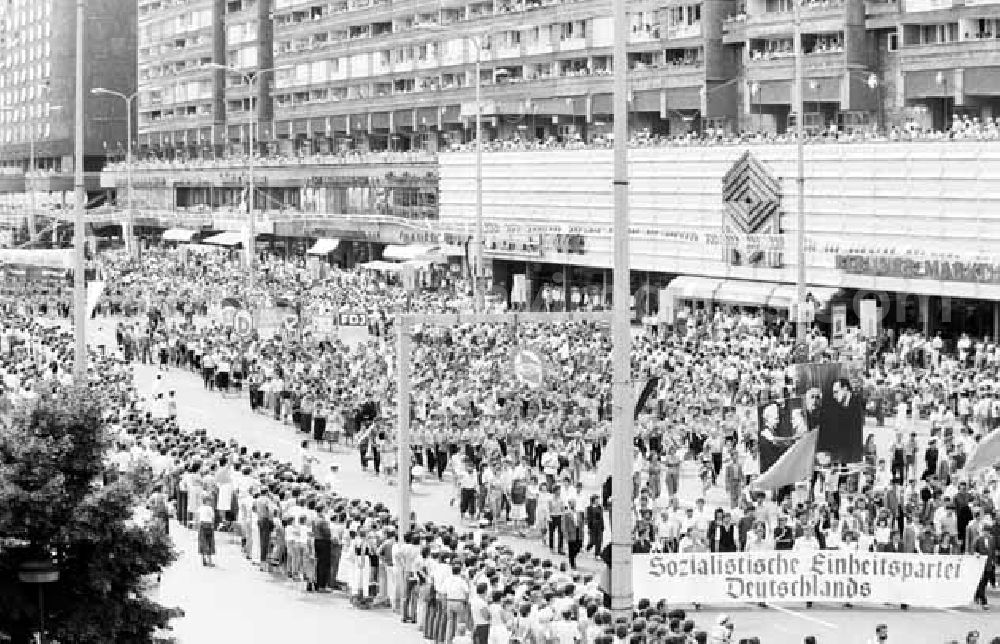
(794, 465)
(94, 291)
(986, 453)
(642, 395)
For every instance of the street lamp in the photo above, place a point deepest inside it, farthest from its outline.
(250, 78)
(800, 181)
(79, 207)
(942, 80)
(754, 88)
(32, 206)
(479, 300)
(38, 573)
(129, 228)
(477, 39)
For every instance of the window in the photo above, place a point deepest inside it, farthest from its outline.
(893, 43)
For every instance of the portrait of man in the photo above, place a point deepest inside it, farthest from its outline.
(780, 423)
(842, 425)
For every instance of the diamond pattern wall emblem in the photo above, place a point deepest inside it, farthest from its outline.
(752, 197)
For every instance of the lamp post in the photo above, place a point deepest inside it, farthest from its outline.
(477, 275)
(129, 228)
(32, 206)
(479, 298)
(32, 229)
(80, 194)
(478, 287)
(250, 78)
(754, 88)
(876, 86)
(800, 180)
(705, 92)
(38, 573)
(621, 338)
(942, 80)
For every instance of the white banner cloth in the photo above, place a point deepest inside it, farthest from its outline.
(792, 576)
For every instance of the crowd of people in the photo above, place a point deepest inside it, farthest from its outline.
(518, 457)
(962, 127)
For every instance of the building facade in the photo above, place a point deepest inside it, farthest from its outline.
(37, 90)
(908, 224)
(356, 108)
(400, 74)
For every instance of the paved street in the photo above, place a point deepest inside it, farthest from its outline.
(236, 602)
(220, 599)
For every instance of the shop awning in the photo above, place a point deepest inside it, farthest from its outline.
(785, 294)
(744, 292)
(178, 235)
(405, 253)
(231, 238)
(692, 287)
(381, 266)
(49, 258)
(323, 246)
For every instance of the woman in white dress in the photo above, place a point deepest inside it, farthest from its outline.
(808, 542)
(758, 539)
(499, 632)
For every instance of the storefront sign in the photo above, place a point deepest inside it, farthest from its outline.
(799, 576)
(242, 322)
(869, 314)
(918, 268)
(323, 326)
(529, 368)
(274, 321)
(839, 325)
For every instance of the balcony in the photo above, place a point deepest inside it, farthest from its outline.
(431, 62)
(668, 76)
(919, 6)
(680, 32)
(972, 53)
(538, 48)
(875, 8)
(646, 34)
(821, 18)
(572, 44)
(507, 52)
(734, 29)
(782, 66)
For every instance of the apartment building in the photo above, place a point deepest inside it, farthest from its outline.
(402, 75)
(37, 88)
(181, 96)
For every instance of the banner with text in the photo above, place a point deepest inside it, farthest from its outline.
(799, 576)
(274, 320)
(323, 326)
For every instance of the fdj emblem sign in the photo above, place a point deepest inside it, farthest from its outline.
(243, 323)
(353, 319)
(529, 368)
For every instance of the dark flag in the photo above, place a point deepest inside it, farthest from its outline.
(643, 397)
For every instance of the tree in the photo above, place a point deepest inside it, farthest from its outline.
(54, 504)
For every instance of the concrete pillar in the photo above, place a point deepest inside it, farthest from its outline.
(925, 313)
